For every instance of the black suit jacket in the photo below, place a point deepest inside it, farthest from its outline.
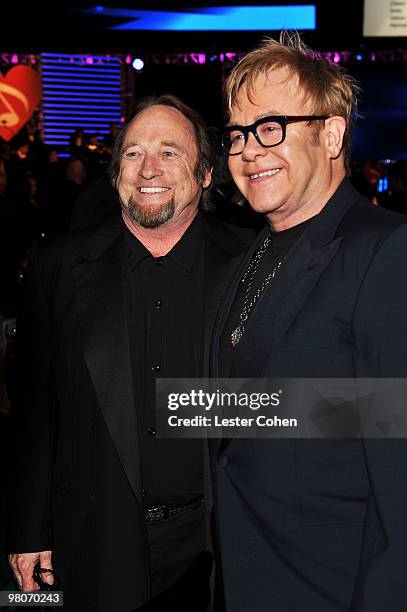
(77, 485)
(320, 525)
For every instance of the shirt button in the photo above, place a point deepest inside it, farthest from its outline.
(158, 304)
(152, 431)
(156, 368)
(144, 493)
(159, 261)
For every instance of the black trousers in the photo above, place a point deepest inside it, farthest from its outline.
(180, 567)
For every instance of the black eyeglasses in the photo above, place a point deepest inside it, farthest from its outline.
(269, 131)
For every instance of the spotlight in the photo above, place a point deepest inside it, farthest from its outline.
(359, 57)
(138, 64)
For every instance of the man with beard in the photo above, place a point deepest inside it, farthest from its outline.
(118, 513)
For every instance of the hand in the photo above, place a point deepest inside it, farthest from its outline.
(23, 565)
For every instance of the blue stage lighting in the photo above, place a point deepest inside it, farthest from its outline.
(216, 18)
(78, 93)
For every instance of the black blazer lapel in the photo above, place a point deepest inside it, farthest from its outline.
(224, 250)
(101, 298)
(227, 301)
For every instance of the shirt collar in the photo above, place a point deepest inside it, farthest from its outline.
(136, 251)
(184, 253)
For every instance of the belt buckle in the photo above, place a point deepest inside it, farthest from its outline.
(157, 513)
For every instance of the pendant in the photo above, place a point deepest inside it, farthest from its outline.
(236, 335)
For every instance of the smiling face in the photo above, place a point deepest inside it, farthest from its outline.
(157, 182)
(292, 181)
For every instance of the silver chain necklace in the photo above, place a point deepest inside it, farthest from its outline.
(249, 276)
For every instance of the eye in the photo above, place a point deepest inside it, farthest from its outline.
(131, 154)
(168, 154)
(235, 137)
(269, 128)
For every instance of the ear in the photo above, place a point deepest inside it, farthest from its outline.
(207, 179)
(334, 132)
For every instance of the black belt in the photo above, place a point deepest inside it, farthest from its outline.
(157, 512)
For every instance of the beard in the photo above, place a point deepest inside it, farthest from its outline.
(149, 216)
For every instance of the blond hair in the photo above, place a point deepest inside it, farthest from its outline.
(327, 87)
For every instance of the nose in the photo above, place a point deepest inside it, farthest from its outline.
(150, 168)
(252, 149)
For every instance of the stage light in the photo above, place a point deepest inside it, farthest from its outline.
(215, 18)
(359, 57)
(138, 64)
(79, 90)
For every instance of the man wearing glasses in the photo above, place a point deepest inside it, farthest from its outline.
(313, 525)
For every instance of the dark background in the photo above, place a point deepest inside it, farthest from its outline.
(60, 26)
(381, 133)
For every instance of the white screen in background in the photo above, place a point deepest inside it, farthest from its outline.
(385, 18)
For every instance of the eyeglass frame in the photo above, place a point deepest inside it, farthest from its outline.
(283, 120)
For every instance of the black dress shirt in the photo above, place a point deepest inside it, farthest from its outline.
(166, 320)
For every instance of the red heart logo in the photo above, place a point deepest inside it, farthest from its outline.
(20, 92)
